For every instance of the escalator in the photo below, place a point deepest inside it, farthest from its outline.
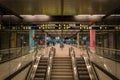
(41, 69)
(62, 69)
(82, 69)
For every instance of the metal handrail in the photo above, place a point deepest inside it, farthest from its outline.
(72, 55)
(51, 55)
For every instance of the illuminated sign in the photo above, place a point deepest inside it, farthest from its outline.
(61, 27)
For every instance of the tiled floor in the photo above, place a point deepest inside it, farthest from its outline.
(63, 52)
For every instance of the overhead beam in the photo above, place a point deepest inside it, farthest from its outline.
(114, 11)
(6, 11)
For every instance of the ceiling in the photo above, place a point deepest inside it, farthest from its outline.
(68, 8)
(61, 7)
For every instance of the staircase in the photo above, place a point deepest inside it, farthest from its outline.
(41, 69)
(82, 69)
(62, 69)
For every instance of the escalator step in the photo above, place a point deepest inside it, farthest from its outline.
(83, 72)
(80, 62)
(82, 69)
(81, 65)
(41, 71)
(43, 64)
(39, 75)
(43, 61)
(84, 77)
(39, 79)
(44, 58)
(42, 67)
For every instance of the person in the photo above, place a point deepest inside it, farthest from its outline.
(61, 45)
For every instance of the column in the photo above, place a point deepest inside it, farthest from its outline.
(92, 40)
(31, 38)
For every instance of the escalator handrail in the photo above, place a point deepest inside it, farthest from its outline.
(74, 66)
(50, 61)
(34, 65)
(88, 62)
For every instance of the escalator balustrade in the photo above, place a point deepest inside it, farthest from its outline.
(82, 69)
(41, 69)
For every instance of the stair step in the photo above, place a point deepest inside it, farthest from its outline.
(65, 70)
(62, 77)
(62, 73)
(62, 67)
(61, 57)
(61, 61)
(62, 64)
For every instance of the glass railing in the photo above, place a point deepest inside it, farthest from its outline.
(108, 53)
(16, 60)
(100, 58)
(12, 53)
